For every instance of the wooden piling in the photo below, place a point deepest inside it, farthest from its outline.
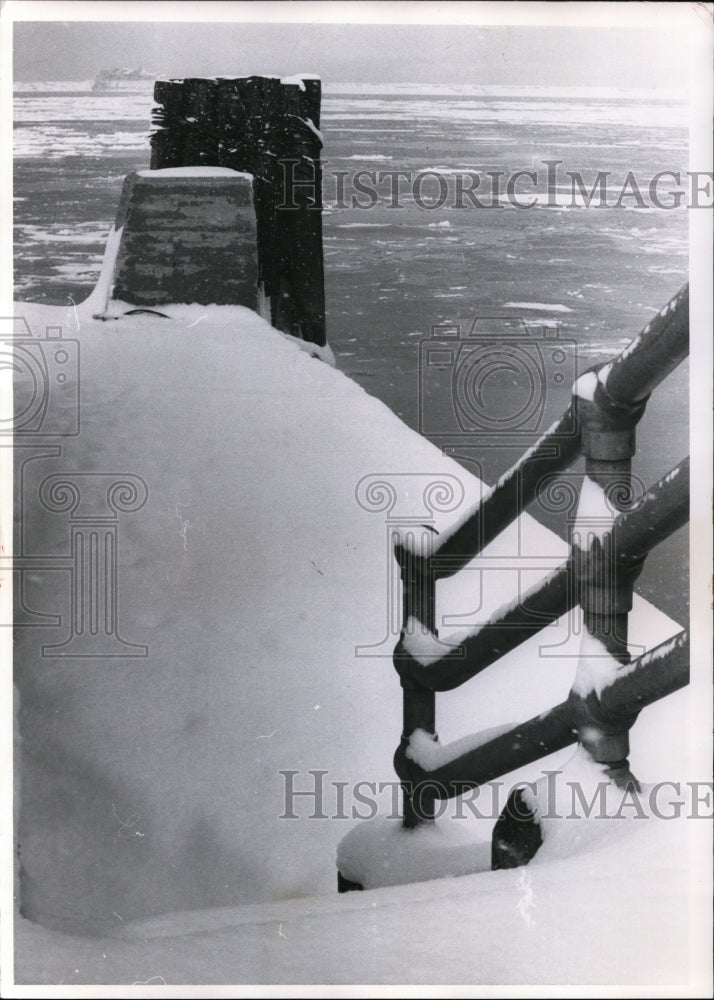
(270, 129)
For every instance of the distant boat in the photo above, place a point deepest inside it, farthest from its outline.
(123, 79)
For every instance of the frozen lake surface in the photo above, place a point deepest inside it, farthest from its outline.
(393, 273)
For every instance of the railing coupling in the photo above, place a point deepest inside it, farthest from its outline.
(607, 425)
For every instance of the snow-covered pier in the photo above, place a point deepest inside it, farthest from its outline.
(189, 499)
(155, 785)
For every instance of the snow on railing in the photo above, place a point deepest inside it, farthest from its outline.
(422, 661)
(611, 536)
(659, 672)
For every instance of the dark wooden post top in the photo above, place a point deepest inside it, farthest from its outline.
(269, 128)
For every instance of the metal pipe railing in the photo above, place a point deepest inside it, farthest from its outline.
(516, 488)
(653, 354)
(606, 555)
(661, 512)
(628, 380)
(652, 676)
(506, 630)
(600, 421)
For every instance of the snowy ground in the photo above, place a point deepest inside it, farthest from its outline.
(151, 787)
(598, 918)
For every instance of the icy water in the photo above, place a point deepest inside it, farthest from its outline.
(399, 264)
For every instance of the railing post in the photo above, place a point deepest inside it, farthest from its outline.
(419, 703)
(607, 437)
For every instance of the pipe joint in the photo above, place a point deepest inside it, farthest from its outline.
(603, 733)
(607, 426)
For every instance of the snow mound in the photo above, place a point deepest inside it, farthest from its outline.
(250, 576)
(381, 853)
